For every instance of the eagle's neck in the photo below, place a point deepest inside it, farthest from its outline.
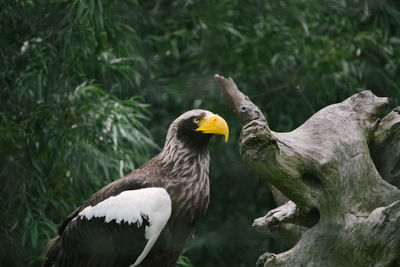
(186, 158)
(189, 182)
(185, 161)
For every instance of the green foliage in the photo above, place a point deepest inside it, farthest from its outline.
(184, 261)
(69, 123)
(275, 50)
(62, 136)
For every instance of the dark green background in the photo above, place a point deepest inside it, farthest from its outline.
(88, 89)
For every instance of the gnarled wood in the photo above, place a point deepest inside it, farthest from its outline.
(385, 147)
(326, 169)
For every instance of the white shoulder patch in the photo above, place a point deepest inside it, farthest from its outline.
(129, 206)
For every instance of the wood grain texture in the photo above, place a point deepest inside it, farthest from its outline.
(346, 209)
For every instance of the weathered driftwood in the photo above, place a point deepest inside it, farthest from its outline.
(341, 211)
(385, 147)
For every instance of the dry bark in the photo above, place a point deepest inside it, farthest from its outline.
(341, 172)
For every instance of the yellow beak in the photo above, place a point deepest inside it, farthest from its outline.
(214, 124)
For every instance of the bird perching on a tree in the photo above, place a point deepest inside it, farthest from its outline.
(144, 218)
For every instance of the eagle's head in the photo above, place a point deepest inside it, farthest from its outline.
(190, 133)
(195, 127)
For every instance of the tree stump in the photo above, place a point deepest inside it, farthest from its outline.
(340, 171)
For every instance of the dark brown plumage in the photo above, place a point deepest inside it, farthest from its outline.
(97, 234)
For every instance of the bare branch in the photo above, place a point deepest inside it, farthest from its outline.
(239, 103)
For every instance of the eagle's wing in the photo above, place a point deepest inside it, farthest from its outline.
(130, 182)
(117, 226)
(118, 231)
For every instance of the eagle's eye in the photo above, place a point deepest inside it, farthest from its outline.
(196, 120)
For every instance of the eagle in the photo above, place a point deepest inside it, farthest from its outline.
(144, 218)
